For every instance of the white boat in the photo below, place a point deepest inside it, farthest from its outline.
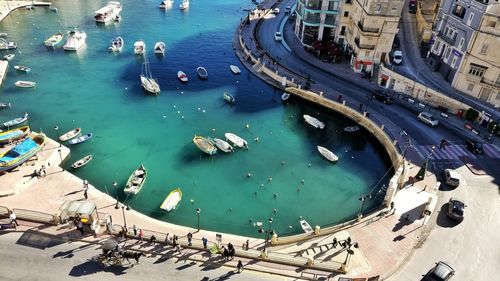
(159, 48)
(3, 34)
(30, 7)
(205, 145)
(9, 57)
(76, 39)
(184, 5)
(54, 40)
(182, 76)
(116, 44)
(351, 129)
(314, 122)
(147, 81)
(239, 142)
(172, 200)
(82, 162)
(22, 68)
(108, 13)
(223, 145)
(285, 96)
(4, 105)
(71, 134)
(166, 4)
(17, 121)
(305, 226)
(25, 84)
(202, 73)
(53, 8)
(235, 69)
(328, 154)
(5, 45)
(229, 98)
(136, 180)
(139, 47)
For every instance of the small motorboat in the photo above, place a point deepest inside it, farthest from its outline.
(116, 44)
(53, 8)
(14, 135)
(223, 145)
(81, 139)
(25, 84)
(205, 145)
(139, 47)
(202, 73)
(30, 7)
(76, 40)
(159, 48)
(235, 69)
(17, 121)
(71, 134)
(184, 5)
(54, 40)
(351, 129)
(165, 4)
(328, 154)
(82, 162)
(22, 68)
(314, 122)
(239, 142)
(229, 98)
(4, 105)
(4, 45)
(172, 200)
(9, 57)
(182, 76)
(306, 226)
(285, 96)
(136, 181)
(3, 34)
(21, 152)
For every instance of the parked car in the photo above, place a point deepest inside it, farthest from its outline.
(451, 177)
(278, 36)
(381, 96)
(428, 119)
(474, 146)
(276, 10)
(441, 272)
(396, 43)
(412, 7)
(456, 209)
(397, 57)
(287, 10)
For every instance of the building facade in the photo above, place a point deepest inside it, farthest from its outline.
(316, 20)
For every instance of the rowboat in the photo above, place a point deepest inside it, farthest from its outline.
(4, 105)
(229, 98)
(239, 142)
(165, 4)
(21, 152)
(328, 154)
(305, 226)
(3, 34)
(285, 96)
(25, 84)
(204, 145)
(80, 139)
(17, 121)
(202, 72)
(182, 76)
(9, 57)
(22, 68)
(351, 129)
(314, 122)
(82, 162)
(184, 5)
(159, 48)
(14, 134)
(54, 40)
(71, 134)
(139, 47)
(136, 181)
(235, 69)
(223, 145)
(116, 44)
(172, 200)
(53, 8)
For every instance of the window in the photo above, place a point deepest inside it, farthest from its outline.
(378, 8)
(485, 94)
(498, 96)
(453, 61)
(346, 14)
(447, 54)
(461, 43)
(470, 88)
(491, 23)
(367, 53)
(459, 11)
(342, 30)
(483, 50)
(437, 45)
(469, 19)
(477, 70)
(498, 80)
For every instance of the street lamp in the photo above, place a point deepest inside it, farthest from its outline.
(60, 157)
(348, 244)
(363, 198)
(123, 212)
(267, 234)
(421, 173)
(198, 214)
(56, 128)
(408, 145)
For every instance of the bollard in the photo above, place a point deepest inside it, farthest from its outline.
(274, 238)
(382, 127)
(317, 230)
(343, 102)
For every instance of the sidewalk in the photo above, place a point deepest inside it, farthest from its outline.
(6, 7)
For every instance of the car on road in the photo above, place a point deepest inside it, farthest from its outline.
(474, 146)
(397, 57)
(396, 43)
(412, 7)
(451, 177)
(456, 209)
(441, 272)
(278, 36)
(276, 10)
(428, 119)
(381, 96)
(287, 10)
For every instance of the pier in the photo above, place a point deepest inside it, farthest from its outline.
(8, 6)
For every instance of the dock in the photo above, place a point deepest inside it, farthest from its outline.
(4, 65)
(6, 7)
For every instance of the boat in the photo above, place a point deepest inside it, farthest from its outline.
(239, 142)
(21, 152)
(54, 40)
(223, 145)
(172, 200)
(17, 121)
(306, 226)
(5, 45)
(3, 34)
(202, 72)
(22, 68)
(136, 181)
(205, 145)
(76, 39)
(229, 98)
(81, 139)
(30, 7)
(328, 154)
(184, 5)
(147, 81)
(9, 57)
(53, 8)
(159, 48)
(285, 96)
(108, 13)
(314, 122)
(351, 129)
(166, 4)
(182, 76)
(25, 84)
(4, 105)
(14, 134)
(82, 162)
(139, 47)
(116, 44)
(235, 69)
(71, 134)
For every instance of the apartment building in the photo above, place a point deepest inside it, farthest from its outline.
(316, 20)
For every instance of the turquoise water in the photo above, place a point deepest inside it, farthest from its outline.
(101, 93)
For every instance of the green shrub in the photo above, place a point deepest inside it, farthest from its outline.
(471, 114)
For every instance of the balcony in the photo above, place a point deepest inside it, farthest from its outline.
(363, 46)
(490, 82)
(313, 4)
(447, 39)
(312, 18)
(367, 29)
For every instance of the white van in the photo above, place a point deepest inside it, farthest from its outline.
(451, 177)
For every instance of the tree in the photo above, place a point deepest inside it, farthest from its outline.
(471, 114)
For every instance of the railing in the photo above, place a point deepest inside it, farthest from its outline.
(312, 18)
(490, 82)
(446, 38)
(367, 29)
(29, 215)
(363, 46)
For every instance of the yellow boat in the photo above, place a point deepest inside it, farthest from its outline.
(14, 134)
(172, 200)
(21, 152)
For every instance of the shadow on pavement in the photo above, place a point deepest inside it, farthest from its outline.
(442, 219)
(91, 267)
(70, 253)
(37, 240)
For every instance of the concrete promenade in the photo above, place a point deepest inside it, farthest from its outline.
(6, 7)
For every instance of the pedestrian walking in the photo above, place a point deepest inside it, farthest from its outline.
(339, 99)
(442, 144)
(335, 242)
(246, 245)
(178, 248)
(43, 172)
(239, 266)
(79, 226)
(135, 230)
(205, 242)
(85, 195)
(141, 235)
(166, 238)
(13, 218)
(392, 208)
(190, 238)
(153, 240)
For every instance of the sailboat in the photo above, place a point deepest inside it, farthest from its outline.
(147, 81)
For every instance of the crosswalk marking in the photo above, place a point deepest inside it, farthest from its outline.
(455, 151)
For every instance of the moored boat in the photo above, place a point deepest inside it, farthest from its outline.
(4, 105)
(351, 129)
(184, 5)
(147, 81)
(54, 40)
(305, 226)
(22, 68)
(81, 139)
(235, 69)
(172, 200)
(314, 122)
(159, 48)
(239, 142)
(136, 181)
(165, 4)
(182, 76)
(9, 57)
(108, 13)
(116, 44)
(285, 96)
(53, 8)
(76, 39)
(139, 47)
(6, 45)
(16, 121)
(25, 84)
(204, 145)
(21, 152)
(328, 154)
(82, 162)
(202, 72)
(70, 134)
(14, 134)
(223, 145)
(229, 98)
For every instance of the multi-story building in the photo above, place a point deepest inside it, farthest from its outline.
(316, 20)
(479, 72)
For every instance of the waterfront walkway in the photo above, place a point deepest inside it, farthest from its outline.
(6, 7)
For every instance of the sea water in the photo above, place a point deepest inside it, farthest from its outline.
(100, 92)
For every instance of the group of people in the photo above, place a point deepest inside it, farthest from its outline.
(228, 253)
